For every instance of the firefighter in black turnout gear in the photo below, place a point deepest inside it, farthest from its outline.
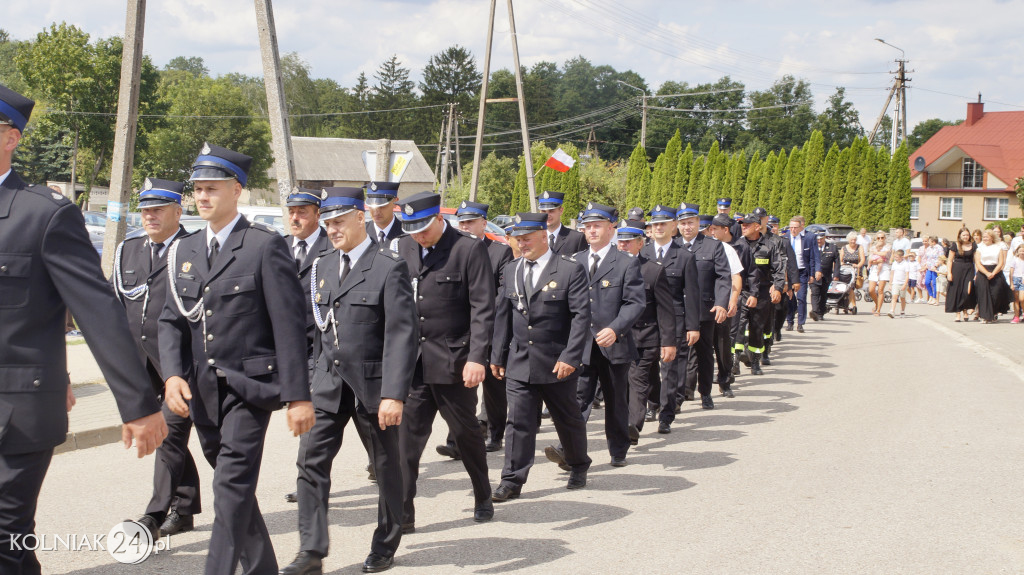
(768, 271)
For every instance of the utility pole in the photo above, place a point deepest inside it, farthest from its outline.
(445, 160)
(281, 135)
(899, 89)
(124, 135)
(643, 119)
(478, 148)
(437, 160)
(458, 148)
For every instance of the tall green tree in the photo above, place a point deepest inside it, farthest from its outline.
(683, 168)
(662, 189)
(693, 193)
(814, 158)
(451, 76)
(764, 187)
(840, 122)
(193, 65)
(826, 178)
(778, 184)
(782, 114)
(793, 185)
(638, 178)
(394, 90)
(924, 130)
(750, 191)
(897, 206)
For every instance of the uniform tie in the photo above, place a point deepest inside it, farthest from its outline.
(551, 241)
(300, 253)
(425, 253)
(345, 268)
(528, 281)
(661, 253)
(214, 250)
(380, 238)
(154, 254)
(593, 266)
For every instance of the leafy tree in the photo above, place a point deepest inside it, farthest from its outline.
(884, 133)
(393, 91)
(750, 192)
(737, 176)
(764, 187)
(814, 157)
(605, 182)
(778, 184)
(786, 118)
(925, 130)
(792, 186)
(840, 122)
(897, 204)
(451, 76)
(193, 65)
(10, 76)
(683, 168)
(44, 154)
(826, 179)
(665, 171)
(638, 178)
(696, 175)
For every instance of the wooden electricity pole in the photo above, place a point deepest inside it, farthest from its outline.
(124, 134)
(280, 131)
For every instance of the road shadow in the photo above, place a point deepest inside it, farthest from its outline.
(489, 554)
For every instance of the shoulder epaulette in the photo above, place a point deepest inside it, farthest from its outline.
(390, 253)
(568, 258)
(54, 196)
(263, 227)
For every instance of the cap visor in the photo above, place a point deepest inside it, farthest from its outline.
(657, 219)
(379, 201)
(468, 217)
(524, 231)
(210, 173)
(156, 203)
(417, 226)
(330, 215)
(296, 203)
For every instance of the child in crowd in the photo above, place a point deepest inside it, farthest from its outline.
(1016, 267)
(900, 275)
(913, 270)
(942, 281)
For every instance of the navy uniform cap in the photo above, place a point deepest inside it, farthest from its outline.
(687, 211)
(550, 200)
(705, 220)
(773, 219)
(596, 212)
(526, 222)
(722, 220)
(335, 202)
(380, 193)
(635, 214)
(303, 197)
(471, 211)
(750, 219)
(760, 212)
(662, 213)
(418, 211)
(217, 163)
(738, 216)
(156, 193)
(724, 202)
(15, 109)
(630, 230)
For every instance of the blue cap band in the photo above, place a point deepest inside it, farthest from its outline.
(554, 201)
(471, 210)
(687, 212)
(341, 202)
(665, 213)
(601, 213)
(421, 214)
(8, 110)
(160, 193)
(724, 203)
(239, 172)
(304, 196)
(628, 230)
(531, 224)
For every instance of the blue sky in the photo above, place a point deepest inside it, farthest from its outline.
(956, 49)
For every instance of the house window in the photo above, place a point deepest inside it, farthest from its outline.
(915, 208)
(951, 208)
(997, 208)
(974, 175)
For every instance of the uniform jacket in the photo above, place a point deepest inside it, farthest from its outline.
(48, 265)
(767, 267)
(616, 301)
(144, 313)
(393, 234)
(810, 255)
(552, 326)
(829, 257)
(321, 246)
(500, 255)
(376, 326)
(781, 247)
(681, 273)
(713, 274)
(454, 301)
(255, 336)
(568, 242)
(656, 326)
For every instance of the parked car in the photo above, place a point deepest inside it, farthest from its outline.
(503, 221)
(190, 223)
(270, 216)
(96, 223)
(833, 232)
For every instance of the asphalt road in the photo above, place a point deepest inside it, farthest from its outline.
(870, 446)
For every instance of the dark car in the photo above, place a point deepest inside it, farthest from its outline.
(833, 232)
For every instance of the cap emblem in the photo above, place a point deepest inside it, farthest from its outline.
(206, 149)
(373, 186)
(148, 185)
(463, 205)
(545, 195)
(409, 210)
(590, 206)
(323, 195)
(519, 219)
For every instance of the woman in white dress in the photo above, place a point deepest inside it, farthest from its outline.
(879, 258)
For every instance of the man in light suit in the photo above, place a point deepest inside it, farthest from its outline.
(365, 350)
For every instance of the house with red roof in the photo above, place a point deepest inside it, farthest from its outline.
(966, 174)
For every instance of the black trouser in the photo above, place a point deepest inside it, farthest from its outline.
(724, 347)
(495, 413)
(21, 478)
(235, 450)
(521, 432)
(643, 376)
(457, 406)
(752, 325)
(700, 364)
(613, 380)
(175, 477)
(317, 450)
(819, 293)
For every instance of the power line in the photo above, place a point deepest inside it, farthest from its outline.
(242, 117)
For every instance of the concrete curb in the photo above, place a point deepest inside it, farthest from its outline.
(90, 438)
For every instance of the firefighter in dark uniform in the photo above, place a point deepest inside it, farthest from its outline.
(383, 227)
(49, 266)
(723, 205)
(454, 287)
(773, 325)
(235, 310)
(561, 240)
(725, 333)
(654, 331)
(140, 279)
(365, 350)
(768, 271)
(541, 326)
(829, 257)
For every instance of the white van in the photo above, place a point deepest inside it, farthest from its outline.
(273, 217)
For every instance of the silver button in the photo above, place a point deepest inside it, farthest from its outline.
(530, 342)
(209, 337)
(3, 269)
(211, 361)
(236, 288)
(529, 327)
(37, 382)
(149, 281)
(143, 338)
(209, 312)
(421, 298)
(336, 362)
(206, 289)
(270, 366)
(364, 299)
(423, 339)
(337, 304)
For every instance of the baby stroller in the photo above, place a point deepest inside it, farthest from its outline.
(838, 297)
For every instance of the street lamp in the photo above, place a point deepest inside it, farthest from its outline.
(900, 89)
(643, 120)
(903, 55)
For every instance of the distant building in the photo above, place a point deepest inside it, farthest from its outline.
(327, 162)
(965, 174)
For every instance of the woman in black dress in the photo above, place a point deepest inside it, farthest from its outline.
(989, 283)
(960, 296)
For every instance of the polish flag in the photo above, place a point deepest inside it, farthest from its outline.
(560, 161)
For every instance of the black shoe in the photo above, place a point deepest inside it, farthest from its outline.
(800, 328)
(597, 404)
(618, 462)
(744, 358)
(736, 368)
(545, 414)
(492, 446)
(577, 480)
(484, 511)
(664, 428)
(371, 474)
(177, 523)
(376, 563)
(634, 434)
(149, 523)
(778, 336)
(504, 492)
(650, 417)
(765, 360)
(556, 455)
(815, 316)
(292, 497)
(755, 366)
(305, 563)
(726, 392)
(732, 379)
(789, 327)
(449, 451)
(706, 402)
